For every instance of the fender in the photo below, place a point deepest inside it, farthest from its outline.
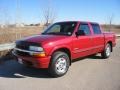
(60, 47)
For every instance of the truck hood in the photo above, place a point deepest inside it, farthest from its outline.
(44, 38)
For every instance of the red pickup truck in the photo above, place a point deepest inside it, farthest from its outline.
(61, 43)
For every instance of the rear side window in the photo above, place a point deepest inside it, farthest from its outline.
(85, 28)
(96, 28)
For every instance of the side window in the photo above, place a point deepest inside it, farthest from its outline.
(85, 28)
(96, 28)
(56, 28)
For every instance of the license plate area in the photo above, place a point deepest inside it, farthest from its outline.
(20, 60)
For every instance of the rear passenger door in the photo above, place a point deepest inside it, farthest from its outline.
(98, 38)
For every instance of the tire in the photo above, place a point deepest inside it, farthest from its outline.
(106, 53)
(59, 64)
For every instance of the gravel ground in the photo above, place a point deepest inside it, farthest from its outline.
(90, 73)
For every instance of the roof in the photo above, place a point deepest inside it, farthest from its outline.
(79, 21)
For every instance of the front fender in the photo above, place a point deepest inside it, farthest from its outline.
(59, 47)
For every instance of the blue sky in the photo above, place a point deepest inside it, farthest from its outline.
(31, 11)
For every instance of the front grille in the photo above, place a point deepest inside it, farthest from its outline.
(22, 53)
(24, 46)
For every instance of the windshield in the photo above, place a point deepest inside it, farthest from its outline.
(63, 28)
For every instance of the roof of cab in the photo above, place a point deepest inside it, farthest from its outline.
(78, 21)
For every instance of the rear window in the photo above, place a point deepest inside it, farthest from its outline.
(96, 28)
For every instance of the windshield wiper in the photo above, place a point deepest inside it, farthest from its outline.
(51, 33)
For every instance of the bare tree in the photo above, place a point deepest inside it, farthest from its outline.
(49, 14)
(110, 22)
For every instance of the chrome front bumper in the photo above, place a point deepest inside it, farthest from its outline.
(24, 51)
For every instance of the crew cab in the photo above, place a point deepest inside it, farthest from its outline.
(63, 42)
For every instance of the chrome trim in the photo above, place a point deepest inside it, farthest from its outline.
(31, 52)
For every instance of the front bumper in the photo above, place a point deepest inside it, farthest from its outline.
(42, 62)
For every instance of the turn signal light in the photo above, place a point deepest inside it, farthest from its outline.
(42, 54)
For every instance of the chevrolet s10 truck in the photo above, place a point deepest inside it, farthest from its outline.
(63, 42)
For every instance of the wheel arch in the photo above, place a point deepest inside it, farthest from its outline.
(63, 49)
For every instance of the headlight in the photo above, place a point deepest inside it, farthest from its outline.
(35, 48)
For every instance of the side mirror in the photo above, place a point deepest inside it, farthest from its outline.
(80, 33)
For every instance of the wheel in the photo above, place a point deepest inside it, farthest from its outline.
(59, 64)
(106, 53)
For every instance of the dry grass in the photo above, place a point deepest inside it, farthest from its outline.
(11, 34)
(114, 28)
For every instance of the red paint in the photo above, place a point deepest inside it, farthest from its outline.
(78, 46)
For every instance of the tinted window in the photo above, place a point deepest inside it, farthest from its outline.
(63, 28)
(56, 28)
(96, 29)
(85, 28)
